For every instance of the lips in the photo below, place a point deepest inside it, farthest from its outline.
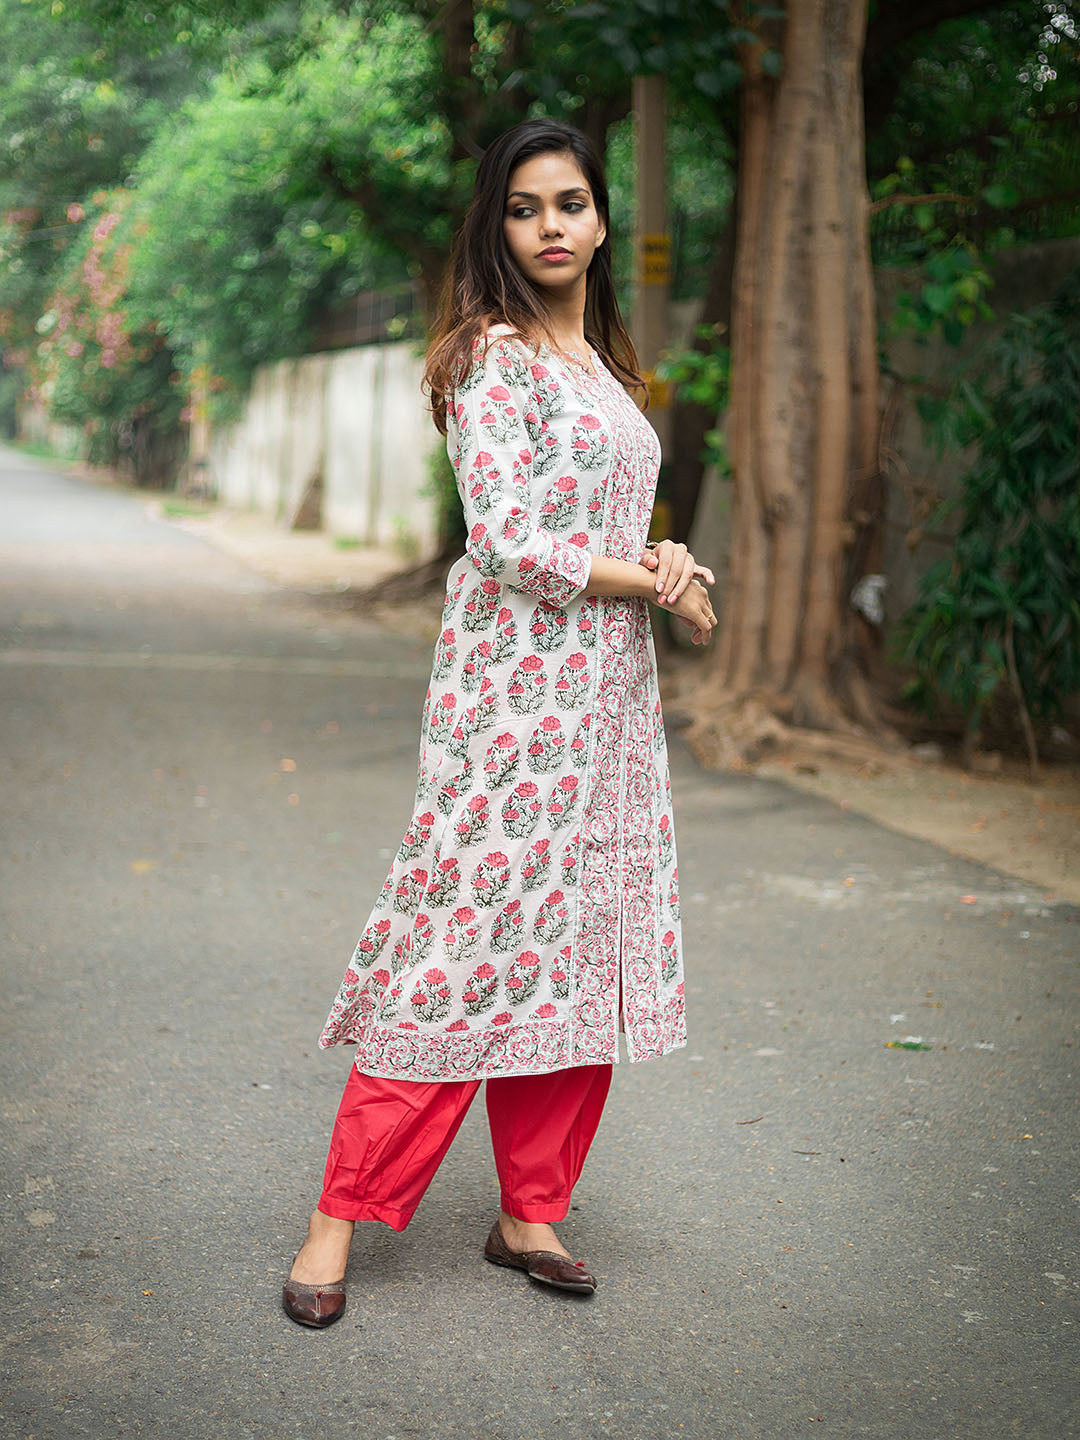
(554, 251)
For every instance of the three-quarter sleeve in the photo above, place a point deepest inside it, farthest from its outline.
(492, 423)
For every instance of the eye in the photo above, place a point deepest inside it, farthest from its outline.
(574, 206)
(521, 212)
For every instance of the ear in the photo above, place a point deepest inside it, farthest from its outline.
(601, 232)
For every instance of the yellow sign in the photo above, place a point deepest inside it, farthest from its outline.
(659, 390)
(655, 259)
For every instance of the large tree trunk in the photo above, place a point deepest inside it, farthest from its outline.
(803, 419)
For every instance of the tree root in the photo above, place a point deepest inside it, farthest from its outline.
(737, 731)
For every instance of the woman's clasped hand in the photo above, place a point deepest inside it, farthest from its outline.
(679, 587)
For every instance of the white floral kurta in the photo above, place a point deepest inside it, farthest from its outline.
(534, 898)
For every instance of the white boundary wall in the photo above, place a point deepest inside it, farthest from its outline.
(357, 418)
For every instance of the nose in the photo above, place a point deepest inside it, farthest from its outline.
(551, 224)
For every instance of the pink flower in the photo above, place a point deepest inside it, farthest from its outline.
(434, 977)
(485, 971)
(459, 1025)
(351, 977)
(590, 422)
(533, 662)
(407, 1025)
(515, 982)
(576, 661)
(503, 1019)
(500, 392)
(545, 1012)
(469, 997)
(381, 977)
(526, 790)
(477, 803)
(506, 742)
(558, 976)
(549, 722)
(566, 484)
(464, 913)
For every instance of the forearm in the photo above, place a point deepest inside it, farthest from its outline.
(608, 576)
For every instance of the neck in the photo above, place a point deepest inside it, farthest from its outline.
(566, 317)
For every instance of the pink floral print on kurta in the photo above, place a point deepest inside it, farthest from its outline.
(531, 911)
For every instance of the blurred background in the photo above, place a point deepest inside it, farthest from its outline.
(848, 243)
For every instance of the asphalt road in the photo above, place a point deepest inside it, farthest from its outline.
(799, 1229)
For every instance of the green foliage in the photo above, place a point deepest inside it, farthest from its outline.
(92, 365)
(949, 298)
(701, 375)
(1004, 608)
(72, 125)
(694, 45)
(984, 111)
(236, 242)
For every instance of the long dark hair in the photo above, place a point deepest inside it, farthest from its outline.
(484, 286)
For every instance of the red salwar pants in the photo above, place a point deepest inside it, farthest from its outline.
(391, 1135)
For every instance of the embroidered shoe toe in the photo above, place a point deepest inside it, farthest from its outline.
(543, 1265)
(315, 1305)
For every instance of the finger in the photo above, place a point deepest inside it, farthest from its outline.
(673, 574)
(648, 559)
(702, 572)
(663, 572)
(684, 573)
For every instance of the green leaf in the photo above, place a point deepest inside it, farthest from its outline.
(1001, 196)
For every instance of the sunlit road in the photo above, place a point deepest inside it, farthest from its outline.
(799, 1229)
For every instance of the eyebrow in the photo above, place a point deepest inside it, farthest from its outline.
(527, 195)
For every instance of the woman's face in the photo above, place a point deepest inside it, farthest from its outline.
(550, 222)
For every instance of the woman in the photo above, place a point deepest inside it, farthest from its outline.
(532, 909)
